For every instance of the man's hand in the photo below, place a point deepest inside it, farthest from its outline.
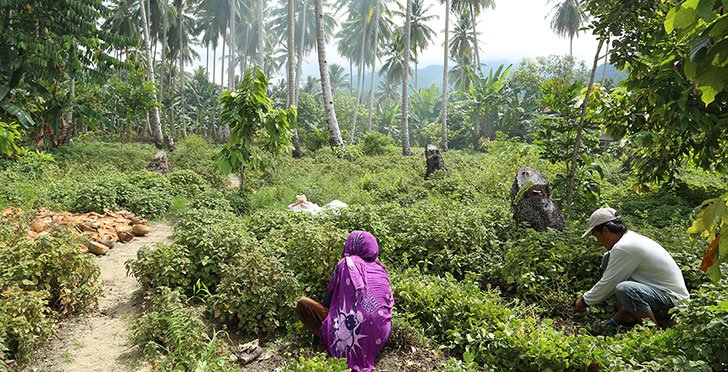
(580, 305)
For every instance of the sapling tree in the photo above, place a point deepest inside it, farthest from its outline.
(259, 132)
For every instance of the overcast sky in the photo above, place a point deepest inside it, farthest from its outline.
(513, 30)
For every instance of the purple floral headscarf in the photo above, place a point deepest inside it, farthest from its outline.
(360, 315)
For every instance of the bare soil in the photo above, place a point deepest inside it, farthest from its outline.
(98, 341)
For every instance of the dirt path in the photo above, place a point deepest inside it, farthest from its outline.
(98, 341)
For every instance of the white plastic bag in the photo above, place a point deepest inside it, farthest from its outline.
(303, 205)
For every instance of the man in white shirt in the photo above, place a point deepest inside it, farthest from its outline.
(642, 274)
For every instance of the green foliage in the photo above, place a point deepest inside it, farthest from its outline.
(41, 280)
(35, 164)
(711, 223)
(375, 143)
(212, 238)
(698, 24)
(673, 97)
(211, 199)
(548, 268)
(196, 154)
(318, 363)
(93, 197)
(256, 292)
(186, 182)
(177, 332)
(9, 136)
(150, 203)
(310, 250)
(162, 265)
(478, 324)
(483, 99)
(258, 131)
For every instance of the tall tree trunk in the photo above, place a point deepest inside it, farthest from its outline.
(334, 133)
(231, 65)
(571, 45)
(222, 66)
(417, 84)
(374, 65)
(299, 61)
(580, 126)
(214, 63)
(261, 33)
(207, 58)
(165, 50)
(181, 80)
(406, 149)
(156, 122)
(606, 60)
(475, 37)
(291, 97)
(351, 76)
(72, 99)
(360, 83)
(445, 83)
(244, 61)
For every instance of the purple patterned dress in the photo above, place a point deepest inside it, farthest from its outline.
(360, 315)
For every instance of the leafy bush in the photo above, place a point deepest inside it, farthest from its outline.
(260, 223)
(24, 321)
(145, 180)
(318, 363)
(186, 183)
(212, 238)
(162, 265)
(239, 202)
(468, 320)
(375, 143)
(196, 154)
(123, 157)
(177, 332)
(151, 203)
(94, 197)
(310, 251)
(211, 199)
(256, 293)
(548, 268)
(40, 280)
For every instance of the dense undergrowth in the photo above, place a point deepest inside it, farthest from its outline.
(465, 277)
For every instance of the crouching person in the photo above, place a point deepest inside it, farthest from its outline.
(355, 317)
(637, 270)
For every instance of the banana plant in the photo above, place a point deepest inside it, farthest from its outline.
(12, 74)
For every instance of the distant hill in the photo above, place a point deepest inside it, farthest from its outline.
(432, 74)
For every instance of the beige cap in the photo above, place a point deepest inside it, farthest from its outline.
(600, 216)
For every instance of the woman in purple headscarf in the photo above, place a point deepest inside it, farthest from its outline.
(356, 315)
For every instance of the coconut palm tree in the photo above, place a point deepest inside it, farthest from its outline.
(338, 77)
(212, 23)
(421, 34)
(445, 83)
(568, 18)
(156, 121)
(406, 149)
(333, 125)
(473, 7)
(461, 48)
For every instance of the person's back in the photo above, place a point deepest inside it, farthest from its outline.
(654, 265)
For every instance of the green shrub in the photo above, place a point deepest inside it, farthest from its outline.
(451, 186)
(24, 322)
(468, 320)
(162, 265)
(239, 202)
(256, 292)
(196, 154)
(549, 268)
(212, 238)
(211, 199)
(123, 157)
(40, 280)
(187, 183)
(94, 197)
(375, 143)
(146, 180)
(150, 203)
(317, 363)
(310, 251)
(261, 222)
(176, 332)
